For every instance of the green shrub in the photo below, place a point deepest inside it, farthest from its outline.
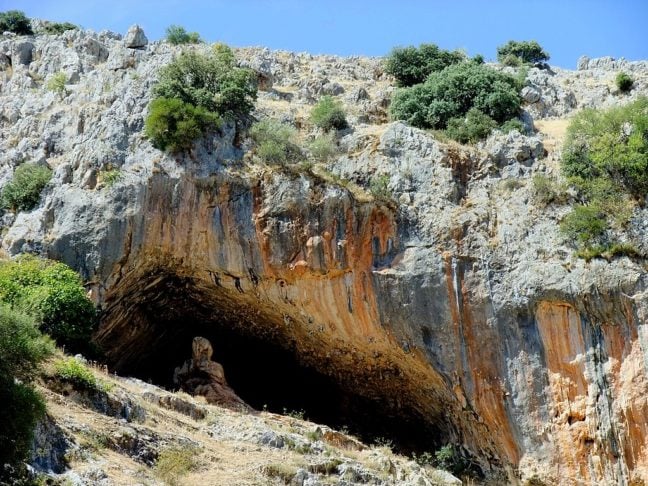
(22, 193)
(57, 84)
(175, 462)
(525, 51)
(472, 128)
(15, 21)
(174, 125)
(52, 293)
(452, 92)
(624, 82)
(55, 28)
(211, 81)
(73, 371)
(22, 348)
(176, 35)
(328, 114)
(585, 224)
(275, 142)
(612, 144)
(324, 147)
(411, 65)
(379, 188)
(513, 124)
(111, 177)
(547, 190)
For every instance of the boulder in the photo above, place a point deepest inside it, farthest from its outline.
(135, 38)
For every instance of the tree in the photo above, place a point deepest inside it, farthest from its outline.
(525, 51)
(176, 34)
(452, 92)
(411, 65)
(15, 21)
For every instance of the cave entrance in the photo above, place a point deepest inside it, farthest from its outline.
(263, 368)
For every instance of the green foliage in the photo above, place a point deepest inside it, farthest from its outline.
(511, 60)
(379, 188)
(73, 371)
(15, 21)
(57, 84)
(328, 114)
(324, 147)
(608, 251)
(22, 348)
(22, 193)
(175, 462)
(478, 59)
(111, 177)
(176, 35)
(55, 28)
(52, 293)
(193, 93)
(612, 144)
(211, 81)
(452, 92)
(585, 224)
(174, 125)
(411, 65)
(275, 142)
(526, 51)
(624, 82)
(472, 128)
(513, 124)
(547, 190)
(281, 471)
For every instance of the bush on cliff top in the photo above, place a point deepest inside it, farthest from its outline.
(15, 21)
(412, 65)
(276, 142)
(193, 93)
(176, 35)
(328, 114)
(525, 51)
(453, 92)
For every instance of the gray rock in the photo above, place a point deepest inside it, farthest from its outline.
(583, 63)
(22, 53)
(530, 94)
(135, 37)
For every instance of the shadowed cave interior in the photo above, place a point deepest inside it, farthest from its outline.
(262, 368)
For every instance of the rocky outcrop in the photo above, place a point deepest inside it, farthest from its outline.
(204, 377)
(456, 304)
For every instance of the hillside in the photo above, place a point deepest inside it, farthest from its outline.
(406, 286)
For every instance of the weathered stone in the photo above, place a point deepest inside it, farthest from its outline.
(135, 38)
(530, 94)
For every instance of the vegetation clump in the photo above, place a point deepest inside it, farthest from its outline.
(73, 371)
(453, 93)
(175, 462)
(276, 142)
(194, 93)
(624, 82)
(51, 293)
(412, 65)
(55, 28)
(22, 193)
(176, 35)
(605, 158)
(324, 147)
(526, 52)
(328, 114)
(22, 349)
(15, 21)
(57, 83)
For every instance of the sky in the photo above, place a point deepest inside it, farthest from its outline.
(566, 29)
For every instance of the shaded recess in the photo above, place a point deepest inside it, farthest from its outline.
(150, 321)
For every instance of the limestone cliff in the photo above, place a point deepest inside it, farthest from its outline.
(457, 306)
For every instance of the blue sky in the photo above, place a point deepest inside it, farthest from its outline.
(566, 29)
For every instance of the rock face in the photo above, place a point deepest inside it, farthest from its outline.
(458, 304)
(202, 376)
